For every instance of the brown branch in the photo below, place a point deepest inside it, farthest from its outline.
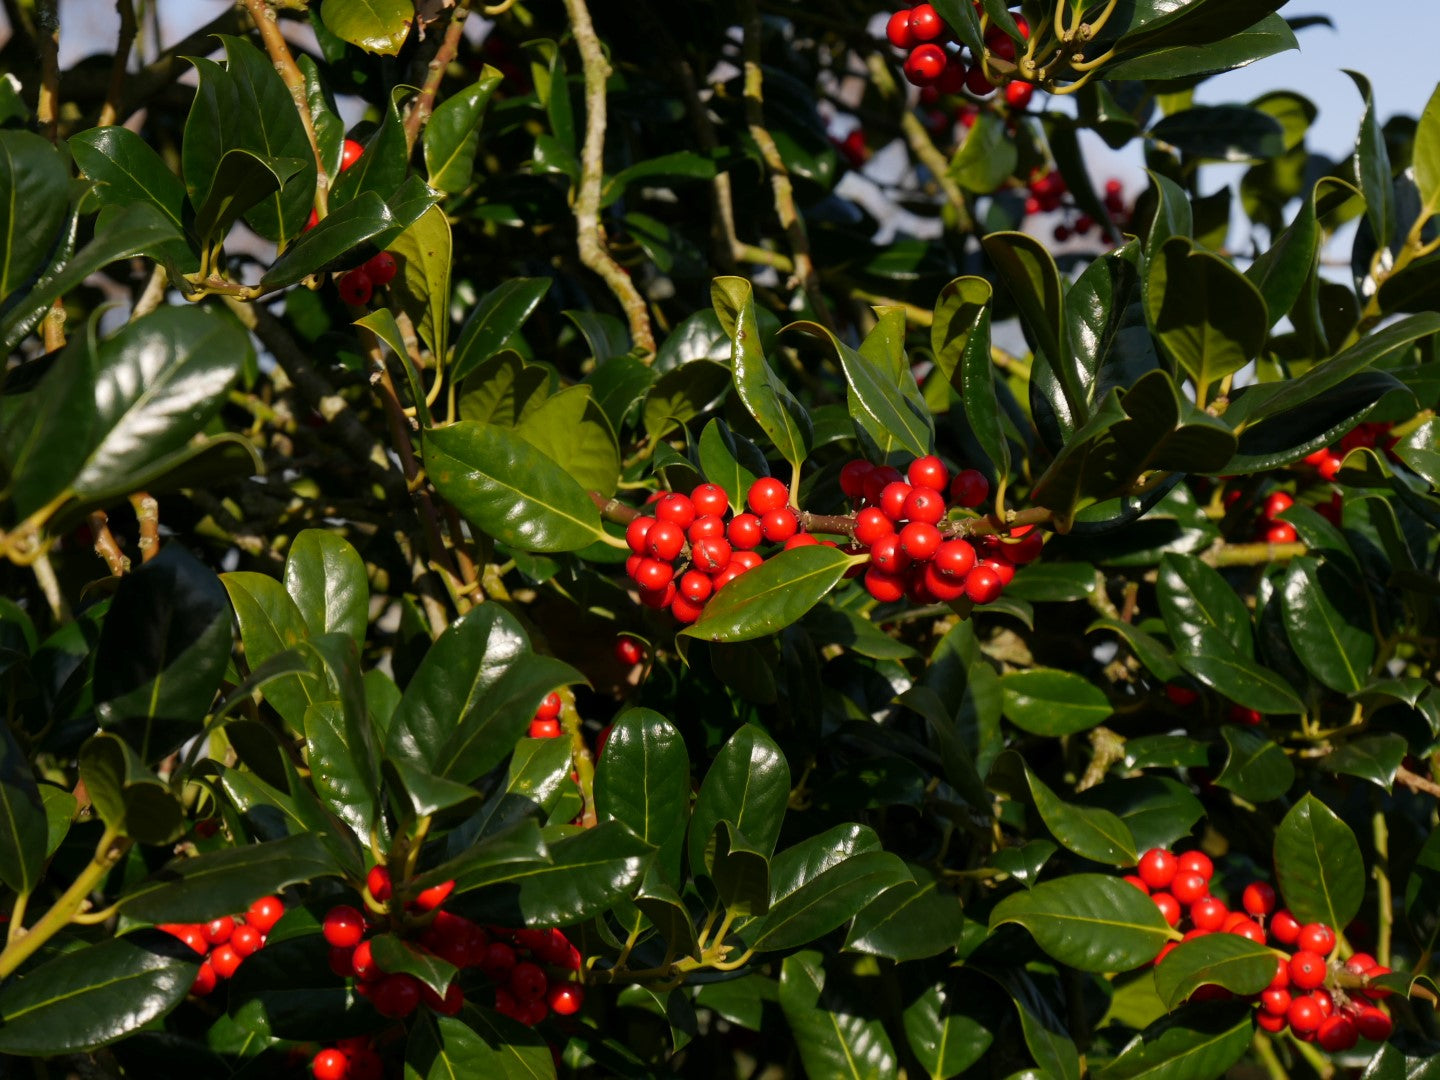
(594, 252)
(105, 545)
(267, 23)
(110, 111)
(1416, 782)
(424, 104)
(784, 193)
(147, 513)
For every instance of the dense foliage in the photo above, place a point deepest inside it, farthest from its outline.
(557, 577)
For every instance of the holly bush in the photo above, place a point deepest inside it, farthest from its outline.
(713, 539)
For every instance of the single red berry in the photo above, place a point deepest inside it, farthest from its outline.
(877, 480)
(924, 504)
(1209, 913)
(1250, 930)
(983, 584)
(1275, 1000)
(853, 473)
(544, 729)
(920, 541)
(892, 500)
(779, 525)
(1374, 1023)
(1275, 504)
(381, 268)
(225, 960)
(767, 494)
(1360, 963)
(926, 23)
(1258, 898)
(343, 926)
(977, 82)
(1027, 549)
(1271, 1023)
(637, 533)
(431, 898)
(565, 999)
(887, 555)
(884, 587)
(342, 961)
(925, 64)
(205, 980)
(1324, 999)
(897, 30)
(1304, 1014)
(942, 586)
(350, 153)
(685, 611)
(1317, 938)
(954, 558)
(355, 288)
(969, 488)
(628, 651)
(396, 995)
(928, 472)
(696, 587)
(677, 508)
(665, 540)
(746, 560)
(1282, 532)
(218, 931)
(1189, 887)
(706, 526)
(801, 540)
(497, 961)
(1239, 714)
(1197, 862)
(330, 1065)
(362, 960)
(1004, 569)
(1233, 920)
(1157, 868)
(549, 706)
(1329, 467)
(711, 555)
(1337, 1034)
(528, 982)
(378, 882)
(1019, 93)
(652, 574)
(264, 913)
(1181, 696)
(1307, 969)
(710, 499)
(1284, 928)
(870, 524)
(1169, 907)
(246, 940)
(998, 43)
(744, 531)
(1138, 882)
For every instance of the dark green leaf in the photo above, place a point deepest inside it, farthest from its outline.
(24, 828)
(1194, 598)
(1155, 656)
(836, 1039)
(1200, 1042)
(422, 285)
(1093, 922)
(1374, 167)
(1372, 757)
(827, 900)
(730, 460)
(643, 781)
(681, 394)
(325, 576)
(378, 26)
(761, 391)
(478, 1041)
(1157, 810)
(33, 182)
(270, 623)
(571, 431)
(909, 921)
(127, 796)
(1325, 633)
(494, 321)
(1318, 867)
(1227, 960)
(1090, 832)
(948, 1026)
(452, 134)
(987, 157)
(331, 245)
(1267, 37)
(1218, 665)
(748, 785)
(772, 596)
(1047, 701)
(1222, 133)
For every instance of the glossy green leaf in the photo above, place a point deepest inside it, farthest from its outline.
(473, 696)
(643, 781)
(973, 365)
(1238, 964)
(1318, 866)
(569, 429)
(748, 785)
(422, 284)
(1371, 757)
(772, 596)
(1232, 133)
(1200, 1042)
(1089, 832)
(1047, 701)
(24, 825)
(494, 322)
(1374, 172)
(1157, 810)
(1147, 649)
(950, 1026)
(1255, 768)
(760, 390)
(326, 578)
(1235, 676)
(33, 180)
(395, 954)
(126, 795)
(270, 623)
(1194, 598)
(1093, 922)
(537, 773)
(1209, 317)
(1324, 631)
(479, 1040)
(503, 390)
(378, 26)
(1046, 1034)
(909, 921)
(828, 900)
(987, 156)
(499, 857)
(1029, 272)
(1281, 271)
(1269, 36)
(504, 486)
(836, 1038)
(126, 170)
(86, 998)
(452, 134)
(681, 394)
(332, 244)
(1426, 153)
(730, 460)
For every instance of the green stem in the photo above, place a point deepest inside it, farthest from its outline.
(1384, 899)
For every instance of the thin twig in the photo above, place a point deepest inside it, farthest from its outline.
(105, 545)
(147, 513)
(110, 111)
(50, 586)
(425, 101)
(594, 252)
(781, 188)
(1416, 782)
(267, 23)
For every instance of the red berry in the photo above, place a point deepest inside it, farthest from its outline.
(920, 541)
(1157, 868)
(1375, 973)
(1275, 1000)
(549, 706)
(977, 82)
(653, 575)
(744, 531)
(225, 960)
(1275, 504)
(1337, 1034)
(628, 651)
(870, 524)
(330, 1065)
(1374, 1023)
(924, 504)
(1304, 1014)
(1004, 569)
(381, 268)
(1282, 532)
(1284, 928)
(1189, 887)
(1258, 898)
(898, 30)
(1169, 907)
(696, 587)
(246, 941)
(878, 479)
(928, 472)
(998, 43)
(497, 961)
(355, 288)
(344, 926)
(311, 221)
(1027, 550)
(779, 525)
(342, 961)
(205, 980)
(892, 500)
(924, 64)
(884, 587)
(705, 527)
(637, 532)
(1209, 913)
(1138, 882)
(710, 499)
(954, 558)
(853, 474)
(362, 960)
(396, 995)
(767, 494)
(712, 555)
(1317, 938)
(431, 898)
(1197, 862)
(1238, 714)
(801, 540)
(969, 488)
(1019, 93)
(528, 982)
(565, 999)
(1307, 969)
(676, 508)
(1329, 467)
(926, 23)
(941, 586)
(887, 555)
(1360, 963)
(983, 585)
(665, 540)
(1181, 696)
(350, 154)
(378, 882)
(264, 913)
(218, 931)
(544, 729)
(1250, 930)
(1271, 1023)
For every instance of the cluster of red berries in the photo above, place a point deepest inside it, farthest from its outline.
(226, 942)
(898, 523)
(1330, 1003)
(1375, 435)
(546, 722)
(692, 531)
(934, 57)
(1270, 528)
(358, 285)
(1048, 191)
